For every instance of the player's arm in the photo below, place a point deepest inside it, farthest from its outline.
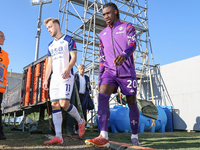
(72, 62)
(73, 53)
(47, 73)
(102, 59)
(131, 41)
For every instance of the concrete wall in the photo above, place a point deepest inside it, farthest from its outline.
(178, 85)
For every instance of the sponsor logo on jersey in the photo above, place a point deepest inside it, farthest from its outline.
(67, 94)
(120, 32)
(132, 91)
(120, 28)
(104, 33)
(57, 57)
(61, 42)
(55, 51)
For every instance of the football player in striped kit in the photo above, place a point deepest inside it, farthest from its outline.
(62, 55)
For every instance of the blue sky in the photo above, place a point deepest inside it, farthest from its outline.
(173, 25)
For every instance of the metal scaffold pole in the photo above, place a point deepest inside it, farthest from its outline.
(84, 22)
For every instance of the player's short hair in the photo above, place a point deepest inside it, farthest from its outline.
(81, 65)
(110, 4)
(54, 20)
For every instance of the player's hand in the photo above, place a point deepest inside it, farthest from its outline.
(45, 85)
(65, 73)
(118, 61)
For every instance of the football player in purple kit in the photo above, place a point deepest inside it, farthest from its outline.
(117, 43)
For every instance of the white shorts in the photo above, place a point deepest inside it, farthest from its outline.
(61, 89)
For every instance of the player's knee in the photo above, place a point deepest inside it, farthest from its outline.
(106, 89)
(131, 100)
(65, 105)
(55, 104)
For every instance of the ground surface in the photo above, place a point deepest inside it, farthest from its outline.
(179, 140)
(23, 140)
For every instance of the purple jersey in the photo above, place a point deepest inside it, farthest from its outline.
(118, 40)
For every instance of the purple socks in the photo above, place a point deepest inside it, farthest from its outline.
(134, 117)
(104, 114)
(103, 111)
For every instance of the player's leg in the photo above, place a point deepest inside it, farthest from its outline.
(56, 115)
(71, 109)
(128, 87)
(103, 115)
(57, 118)
(107, 87)
(103, 108)
(66, 90)
(134, 118)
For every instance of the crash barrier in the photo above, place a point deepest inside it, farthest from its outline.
(28, 96)
(32, 92)
(119, 121)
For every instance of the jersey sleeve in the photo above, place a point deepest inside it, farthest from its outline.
(72, 45)
(102, 59)
(131, 41)
(49, 53)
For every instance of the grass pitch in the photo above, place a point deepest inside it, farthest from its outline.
(18, 140)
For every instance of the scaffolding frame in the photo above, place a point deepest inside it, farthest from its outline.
(87, 16)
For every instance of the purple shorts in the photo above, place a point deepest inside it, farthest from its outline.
(128, 85)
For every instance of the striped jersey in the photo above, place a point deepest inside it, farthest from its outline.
(60, 50)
